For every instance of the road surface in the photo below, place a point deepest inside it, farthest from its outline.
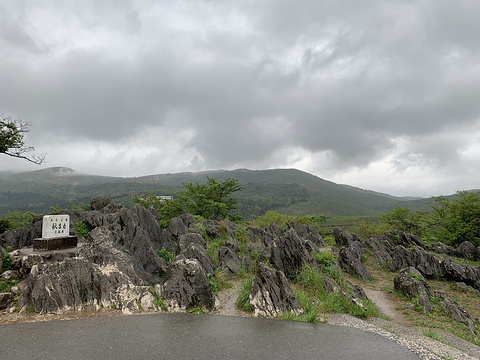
(192, 336)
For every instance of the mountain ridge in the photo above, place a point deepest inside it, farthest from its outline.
(290, 191)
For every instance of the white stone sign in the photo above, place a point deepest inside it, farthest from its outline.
(55, 226)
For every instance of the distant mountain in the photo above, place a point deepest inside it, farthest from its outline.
(288, 191)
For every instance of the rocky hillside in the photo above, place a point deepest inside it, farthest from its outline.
(288, 191)
(130, 264)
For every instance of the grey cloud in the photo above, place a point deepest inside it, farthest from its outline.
(249, 81)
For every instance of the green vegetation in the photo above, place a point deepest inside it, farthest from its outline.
(166, 255)
(6, 286)
(273, 217)
(212, 200)
(311, 279)
(12, 142)
(4, 225)
(17, 219)
(195, 310)
(7, 260)
(286, 191)
(82, 229)
(243, 300)
(457, 220)
(401, 219)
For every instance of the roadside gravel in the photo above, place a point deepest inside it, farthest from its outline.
(426, 348)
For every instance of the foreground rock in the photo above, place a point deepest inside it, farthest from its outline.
(187, 286)
(99, 275)
(289, 253)
(411, 282)
(350, 260)
(115, 268)
(271, 293)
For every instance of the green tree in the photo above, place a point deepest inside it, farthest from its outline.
(12, 142)
(4, 225)
(402, 219)
(17, 219)
(212, 200)
(457, 220)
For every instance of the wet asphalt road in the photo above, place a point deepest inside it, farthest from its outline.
(190, 336)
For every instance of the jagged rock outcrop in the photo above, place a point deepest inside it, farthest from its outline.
(271, 293)
(186, 286)
(265, 236)
(289, 253)
(350, 260)
(343, 238)
(228, 258)
(355, 294)
(114, 268)
(398, 250)
(411, 282)
(100, 275)
(186, 239)
(382, 248)
(456, 311)
(19, 238)
(467, 250)
(461, 273)
(428, 264)
(197, 252)
(215, 229)
(424, 302)
(441, 248)
(6, 299)
(406, 240)
(307, 232)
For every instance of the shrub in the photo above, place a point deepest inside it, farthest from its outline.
(166, 255)
(82, 229)
(7, 260)
(243, 300)
(17, 219)
(6, 286)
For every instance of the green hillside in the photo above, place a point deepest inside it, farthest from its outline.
(287, 191)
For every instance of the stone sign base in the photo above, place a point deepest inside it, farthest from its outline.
(54, 243)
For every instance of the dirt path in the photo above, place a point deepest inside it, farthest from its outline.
(227, 299)
(388, 305)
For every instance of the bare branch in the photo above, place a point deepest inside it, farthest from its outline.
(12, 141)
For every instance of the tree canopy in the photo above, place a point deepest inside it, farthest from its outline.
(12, 142)
(212, 200)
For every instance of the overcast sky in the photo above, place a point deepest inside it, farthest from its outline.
(382, 95)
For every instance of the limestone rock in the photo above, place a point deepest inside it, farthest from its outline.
(428, 264)
(185, 240)
(425, 303)
(100, 275)
(457, 312)
(411, 282)
(307, 233)
(441, 248)
(351, 261)
(265, 236)
(343, 238)
(288, 253)
(195, 251)
(228, 258)
(187, 285)
(6, 300)
(382, 248)
(271, 293)
(467, 250)
(461, 273)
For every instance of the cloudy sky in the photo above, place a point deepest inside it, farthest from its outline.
(379, 94)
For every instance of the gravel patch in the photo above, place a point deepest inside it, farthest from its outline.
(426, 348)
